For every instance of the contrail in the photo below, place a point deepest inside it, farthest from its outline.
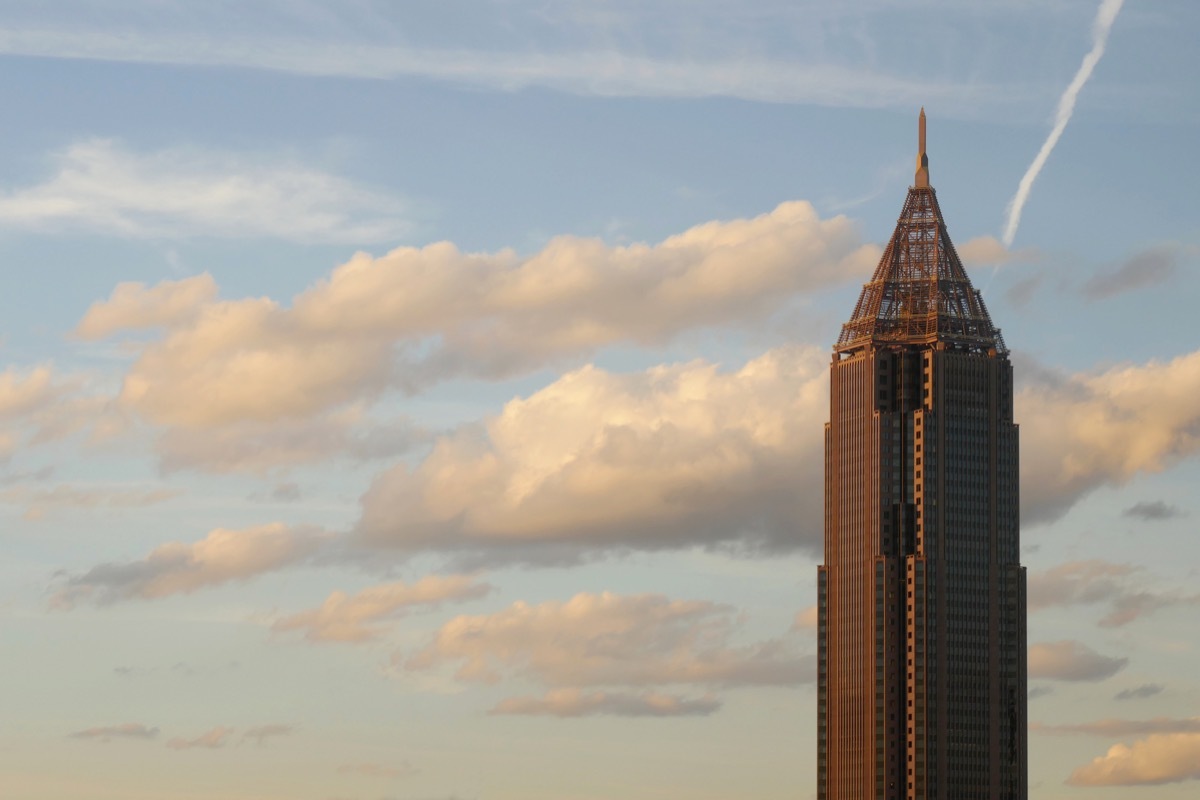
(1105, 17)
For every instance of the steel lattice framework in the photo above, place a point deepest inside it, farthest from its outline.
(920, 291)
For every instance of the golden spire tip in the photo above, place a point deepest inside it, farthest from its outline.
(922, 177)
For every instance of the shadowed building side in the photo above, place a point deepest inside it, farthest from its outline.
(921, 596)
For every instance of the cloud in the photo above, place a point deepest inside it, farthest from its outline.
(594, 63)
(693, 455)
(1143, 269)
(373, 770)
(179, 568)
(1152, 511)
(671, 457)
(134, 306)
(575, 703)
(1155, 760)
(419, 315)
(1021, 292)
(38, 502)
(808, 619)
(1125, 727)
(1071, 661)
(267, 446)
(259, 734)
(127, 730)
(610, 640)
(1085, 431)
(101, 187)
(1139, 692)
(211, 740)
(1106, 15)
(990, 250)
(367, 615)
(1040, 691)
(39, 405)
(1095, 581)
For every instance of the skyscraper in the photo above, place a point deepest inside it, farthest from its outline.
(921, 689)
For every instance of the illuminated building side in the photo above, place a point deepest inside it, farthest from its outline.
(922, 684)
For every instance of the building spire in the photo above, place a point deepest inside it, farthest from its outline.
(922, 178)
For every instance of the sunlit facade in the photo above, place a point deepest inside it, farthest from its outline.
(922, 685)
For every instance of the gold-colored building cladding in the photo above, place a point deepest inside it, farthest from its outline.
(922, 685)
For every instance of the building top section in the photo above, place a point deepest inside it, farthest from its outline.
(920, 292)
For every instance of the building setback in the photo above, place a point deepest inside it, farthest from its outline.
(922, 685)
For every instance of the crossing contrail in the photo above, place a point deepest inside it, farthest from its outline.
(1105, 17)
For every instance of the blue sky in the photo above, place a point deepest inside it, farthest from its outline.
(423, 400)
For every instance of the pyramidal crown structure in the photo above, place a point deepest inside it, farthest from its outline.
(921, 676)
(920, 291)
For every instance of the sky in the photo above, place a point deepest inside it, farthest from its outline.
(417, 401)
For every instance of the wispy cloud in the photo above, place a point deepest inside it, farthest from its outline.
(127, 730)
(1125, 727)
(1152, 511)
(102, 187)
(1139, 692)
(259, 734)
(371, 769)
(607, 69)
(1106, 15)
(209, 740)
(38, 502)
(366, 615)
(1142, 269)
(576, 703)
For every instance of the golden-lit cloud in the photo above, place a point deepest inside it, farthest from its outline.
(418, 315)
(671, 457)
(807, 620)
(1157, 759)
(687, 454)
(371, 612)
(577, 703)
(610, 640)
(991, 251)
(210, 740)
(1085, 431)
(1071, 661)
(135, 306)
(222, 556)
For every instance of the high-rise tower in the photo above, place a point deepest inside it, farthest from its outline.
(921, 596)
